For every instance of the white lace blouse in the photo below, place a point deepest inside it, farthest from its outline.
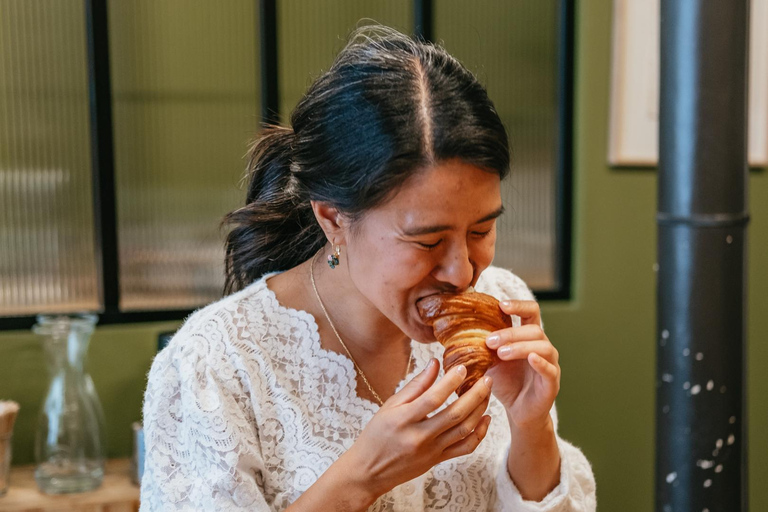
(244, 411)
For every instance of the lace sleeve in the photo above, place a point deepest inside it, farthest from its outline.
(574, 493)
(201, 443)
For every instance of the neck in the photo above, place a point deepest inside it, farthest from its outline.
(362, 327)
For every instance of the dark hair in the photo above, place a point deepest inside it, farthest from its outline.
(388, 107)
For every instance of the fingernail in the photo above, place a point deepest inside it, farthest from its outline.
(461, 370)
(487, 381)
(506, 303)
(492, 340)
(504, 351)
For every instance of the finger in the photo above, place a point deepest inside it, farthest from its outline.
(461, 409)
(469, 443)
(438, 393)
(418, 385)
(549, 371)
(457, 433)
(527, 310)
(514, 334)
(522, 349)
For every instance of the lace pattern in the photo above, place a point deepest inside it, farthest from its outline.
(245, 410)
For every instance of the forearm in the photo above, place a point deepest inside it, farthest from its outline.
(340, 488)
(534, 460)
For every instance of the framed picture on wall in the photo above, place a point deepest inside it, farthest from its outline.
(634, 110)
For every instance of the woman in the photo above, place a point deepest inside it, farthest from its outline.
(315, 385)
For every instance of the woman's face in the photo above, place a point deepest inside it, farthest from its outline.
(436, 235)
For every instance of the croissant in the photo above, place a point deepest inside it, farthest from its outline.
(461, 322)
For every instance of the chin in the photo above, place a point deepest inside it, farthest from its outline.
(421, 333)
(417, 330)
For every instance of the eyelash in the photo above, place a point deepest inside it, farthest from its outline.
(478, 234)
(429, 247)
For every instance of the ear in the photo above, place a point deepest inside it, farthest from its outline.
(334, 223)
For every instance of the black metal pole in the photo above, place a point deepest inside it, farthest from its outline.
(702, 220)
(564, 213)
(423, 19)
(270, 95)
(102, 152)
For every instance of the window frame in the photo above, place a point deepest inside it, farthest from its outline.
(103, 163)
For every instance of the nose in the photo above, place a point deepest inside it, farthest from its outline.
(456, 268)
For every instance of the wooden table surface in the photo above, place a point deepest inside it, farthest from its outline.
(116, 494)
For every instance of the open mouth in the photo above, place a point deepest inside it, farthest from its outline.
(425, 296)
(469, 289)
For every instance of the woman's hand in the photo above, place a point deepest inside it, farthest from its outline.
(526, 383)
(402, 441)
(528, 378)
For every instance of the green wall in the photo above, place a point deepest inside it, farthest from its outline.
(118, 359)
(605, 334)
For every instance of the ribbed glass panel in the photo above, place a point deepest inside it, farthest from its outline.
(186, 104)
(512, 48)
(310, 34)
(47, 247)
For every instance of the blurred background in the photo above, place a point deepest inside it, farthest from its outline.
(130, 228)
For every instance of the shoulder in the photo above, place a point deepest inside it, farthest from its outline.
(230, 309)
(213, 333)
(503, 284)
(211, 360)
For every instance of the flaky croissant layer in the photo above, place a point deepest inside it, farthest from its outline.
(461, 323)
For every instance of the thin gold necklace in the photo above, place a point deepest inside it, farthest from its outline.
(330, 322)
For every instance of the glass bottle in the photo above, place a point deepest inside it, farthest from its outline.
(69, 446)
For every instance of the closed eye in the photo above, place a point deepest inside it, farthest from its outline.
(482, 234)
(430, 246)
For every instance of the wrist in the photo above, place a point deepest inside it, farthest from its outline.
(354, 482)
(536, 430)
(341, 487)
(534, 458)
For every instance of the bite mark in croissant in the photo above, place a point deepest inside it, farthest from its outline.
(461, 322)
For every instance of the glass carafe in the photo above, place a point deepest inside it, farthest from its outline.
(69, 447)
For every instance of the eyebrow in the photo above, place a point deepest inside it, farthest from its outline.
(425, 230)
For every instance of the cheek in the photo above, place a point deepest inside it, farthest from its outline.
(409, 267)
(387, 268)
(485, 251)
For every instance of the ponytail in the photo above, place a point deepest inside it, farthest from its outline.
(276, 229)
